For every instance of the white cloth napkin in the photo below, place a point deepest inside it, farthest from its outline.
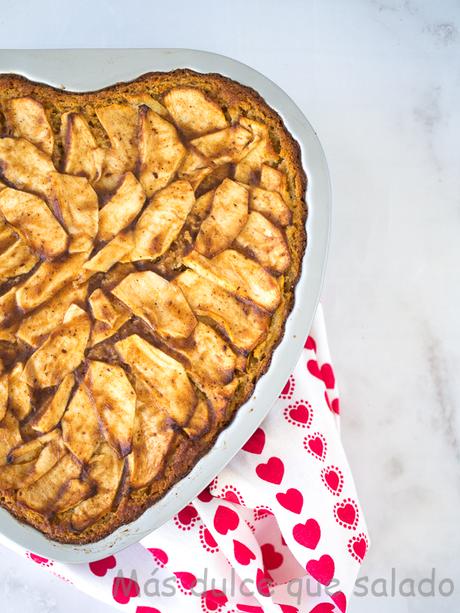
(279, 530)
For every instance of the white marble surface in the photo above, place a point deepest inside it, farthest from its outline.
(380, 82)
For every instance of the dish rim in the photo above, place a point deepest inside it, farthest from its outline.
(93, 69)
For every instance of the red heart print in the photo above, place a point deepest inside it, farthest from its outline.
(316, 445)
(256, 443)
(207, 541)
(262, 583)
(332, 478)
(334, 406)
(272, 559)
(147, 610)
(213, 599)
(288, 389)
(299, 414)
(357, 547)
(247, 608)
(232, 495)
(123, 589)
(307, 534)
(287, 608)
(225, 519)
(39, 559)
(186, 518)
(187, 580)
(205, 495)
(325, 373)
(310, 343)
(323, 607)
(160, 556)
(262, 512)
(100, 567)
(292, 500)
(346, 513)
(243, 555)
(340, 601)
(272, 471)
(322, 570)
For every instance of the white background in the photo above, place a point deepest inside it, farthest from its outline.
(380, 82)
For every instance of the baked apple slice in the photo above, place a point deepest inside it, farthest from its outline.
(121, 208)
(80, 425)
(225, 146)
(10, 435)
(193, 112)
(239, 275)
(26, 117)
(114, 251)
(82, 155)
(49, 415)
(34, 221)
(105, 470)
(162, 220)
(109, 314)
(75, 202)
(228, 216)
(270, 204)
(265, 242)
(160, 151)
(20, 394)
(34, 328)
(200, 421)
(159, 303)
(120, 121)
(3, 395)
(195, 168)
(167, 378)
(115, 402)
(261, 151)
(274, 180)
(62, 352)
(24, 166)
(244, 324)
(7, 235)
(17, 259)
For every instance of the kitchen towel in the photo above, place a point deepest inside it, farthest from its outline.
(279, 530)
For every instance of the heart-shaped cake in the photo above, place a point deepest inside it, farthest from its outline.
(151, 237)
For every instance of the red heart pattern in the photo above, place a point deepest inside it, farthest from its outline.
(186, 518)
(243, 555)
(123, 589)
(247, 608)
(332, 478)
(225, 519)
(323, 607)
(213, 600)
(322, 570)
(310, 343)
(147, 610)
(340, 601)
(272, 471)
(186, 580)
(307, 534)
(160, 556)
(357, 546)
(324, 372)
(299, 414)
(346, 513)
(316, 445)
(292, 500)
(332, 404)
(271, 558)
(39, 559)
(100, 567)
(288, 389)
(208, 542)
(256, 443)
(262, 583)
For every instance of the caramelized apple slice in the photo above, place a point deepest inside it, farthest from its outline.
(76, 203)
(105, 469)
(145, 99)
(121, 208)
(265, 242)
(49, 415)
(62, 352)
(274, 180)
(224, 146)
(20, 394)
(109, 315)
(195, 167)
(49, 278)
(120, 121)
(160, 151)
(13, 476)
(17, 259)
(200, 421)
(239, 275)
(46, 493)
(35, 327)
(26, 117)
(262, 151)
(270, 204)
(171, 388)
(244, 324)
(82, 156)
(24, 166)
(73, 491)
(153, 435)
(194, 112)
(3, 395)
(10, 435)
(7, 235)
(162, 220)
(227, 218)
(31, 449)
(158, 302)
(115, 403)
(115, 250)
(35, 222)
(80, 425)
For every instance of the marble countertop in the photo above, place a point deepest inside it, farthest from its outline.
(380, 82)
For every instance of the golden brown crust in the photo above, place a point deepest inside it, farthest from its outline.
(236, 100)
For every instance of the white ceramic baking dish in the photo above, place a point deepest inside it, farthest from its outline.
(92, 69)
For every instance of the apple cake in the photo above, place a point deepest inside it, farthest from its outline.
(151, 238)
